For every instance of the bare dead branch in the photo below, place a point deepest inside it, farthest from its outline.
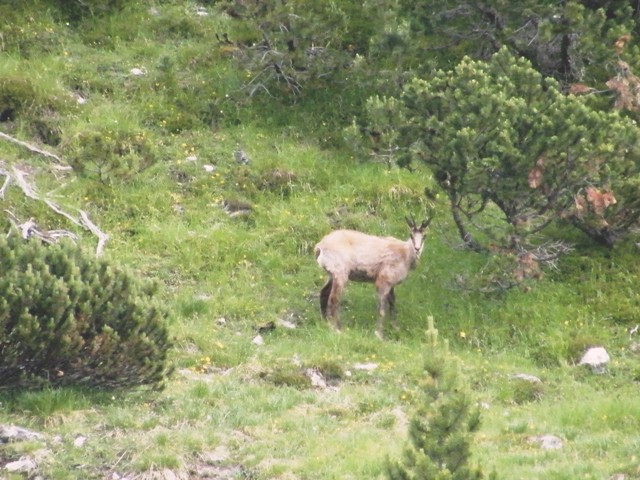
(548, 253)
(30, 147)
(6, 183)
(53, 206)
(27, 189)
(29, 228)
(102, 237)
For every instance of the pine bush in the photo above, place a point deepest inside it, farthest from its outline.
(70, 319)
(441, 431)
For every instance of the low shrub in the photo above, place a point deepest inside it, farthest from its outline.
(26, 34)
(16, 95)
(520, 391)
(76, 10)
(108, 154)
(68, 319)
(34, 105)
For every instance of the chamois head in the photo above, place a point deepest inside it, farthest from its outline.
(416, 233)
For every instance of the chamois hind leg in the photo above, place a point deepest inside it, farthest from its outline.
(393, 312)
(337, 285)
(384, 294)
(324, 297)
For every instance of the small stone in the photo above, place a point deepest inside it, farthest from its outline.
(596, 358)
(526, 377)
(241, 157)
(11, 433)
(547, 442)
(287, 324)
(367, 367)
(80, 99)
(79, 441)
(25, 464)
(317, 380)
(258, 340)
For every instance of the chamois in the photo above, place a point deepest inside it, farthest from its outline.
(383, 261)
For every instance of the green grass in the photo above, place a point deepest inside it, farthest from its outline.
(224, 277)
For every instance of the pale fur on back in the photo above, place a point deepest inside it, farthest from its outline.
(361, 257)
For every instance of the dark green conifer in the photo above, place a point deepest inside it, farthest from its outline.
(441, 431)
(66, 318)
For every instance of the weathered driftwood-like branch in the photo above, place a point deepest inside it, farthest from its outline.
(29, 228)
(89, 225)
(30, 147)
(6, 183)
(54, 206)
(27, 189)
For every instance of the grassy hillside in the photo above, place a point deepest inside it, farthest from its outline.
(153, 156)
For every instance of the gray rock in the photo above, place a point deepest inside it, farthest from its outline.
(596, 358)
(526, 377)
(317, 379)
(11, 433)
(547, 442)
(25, 464)
(241, 157)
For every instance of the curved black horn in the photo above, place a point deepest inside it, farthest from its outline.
(411, 222)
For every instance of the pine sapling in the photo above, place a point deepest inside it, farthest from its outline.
(441, 431)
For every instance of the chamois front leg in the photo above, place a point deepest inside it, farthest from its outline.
(384, 293)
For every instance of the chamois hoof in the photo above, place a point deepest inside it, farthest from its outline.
(335, 328)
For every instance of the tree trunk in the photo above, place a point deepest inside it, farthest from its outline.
(465, 235)
(603, 236)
